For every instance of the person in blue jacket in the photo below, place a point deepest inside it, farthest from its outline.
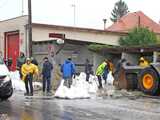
(68, 70)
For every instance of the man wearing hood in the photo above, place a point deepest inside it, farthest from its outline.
(68, 70)
(88, 69)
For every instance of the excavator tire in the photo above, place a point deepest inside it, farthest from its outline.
(149, 81)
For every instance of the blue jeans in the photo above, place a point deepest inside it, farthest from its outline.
(48, 81)
(68, 82)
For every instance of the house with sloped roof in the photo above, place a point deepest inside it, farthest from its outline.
(126, 24)
(135, 19)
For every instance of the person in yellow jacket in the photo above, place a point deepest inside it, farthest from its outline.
(100, 71)
(28, 70)
(143, 62)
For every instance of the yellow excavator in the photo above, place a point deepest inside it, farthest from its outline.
(145, 79)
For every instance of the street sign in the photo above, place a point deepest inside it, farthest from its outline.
(57, 35)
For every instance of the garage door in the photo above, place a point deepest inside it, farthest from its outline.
(12, 48)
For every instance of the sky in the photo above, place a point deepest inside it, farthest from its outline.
(88, 13)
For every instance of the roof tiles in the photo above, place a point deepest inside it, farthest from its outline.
(131, 20)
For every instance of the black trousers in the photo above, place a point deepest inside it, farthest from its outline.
(48, 81)
(100, 81)
(28, 83)
(87, 77)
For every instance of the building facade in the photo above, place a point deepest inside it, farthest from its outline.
(14, 39)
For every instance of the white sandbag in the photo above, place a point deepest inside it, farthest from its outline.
(17, 83)
(110, 78)
(37, 85)
(60, 92)
(82, 76)
(110, 89)
(93, 84)
(82, 86)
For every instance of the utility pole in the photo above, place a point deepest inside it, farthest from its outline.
(30, 28)
(74, 14)
(22, 7)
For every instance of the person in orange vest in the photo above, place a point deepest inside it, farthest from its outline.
(28, 70)
(109, 67)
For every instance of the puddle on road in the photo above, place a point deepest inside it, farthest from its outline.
(33, 109)
(4, 117)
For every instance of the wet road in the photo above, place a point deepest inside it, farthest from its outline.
(20, 108)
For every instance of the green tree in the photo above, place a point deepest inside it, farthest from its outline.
(120, 9)
(139, 36)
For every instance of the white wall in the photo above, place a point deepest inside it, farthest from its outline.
(41, 34)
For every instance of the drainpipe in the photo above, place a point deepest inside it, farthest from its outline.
(139, 21)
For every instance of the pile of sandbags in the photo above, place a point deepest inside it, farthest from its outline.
(79, 88)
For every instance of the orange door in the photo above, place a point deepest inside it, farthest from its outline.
(12, 47)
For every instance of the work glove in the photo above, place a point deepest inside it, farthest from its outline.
(74, 76)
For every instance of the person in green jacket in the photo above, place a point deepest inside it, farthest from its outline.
(100, 71)
(20, 61)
